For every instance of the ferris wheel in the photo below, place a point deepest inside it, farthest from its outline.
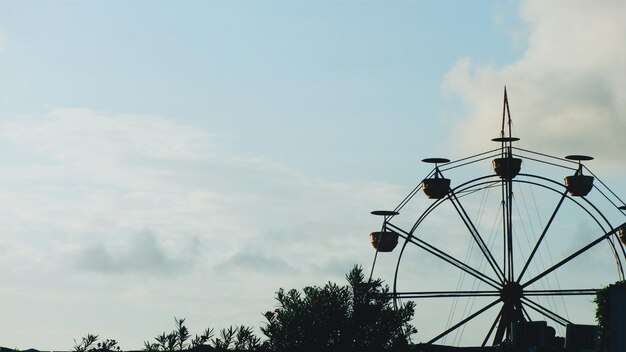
(504, 241)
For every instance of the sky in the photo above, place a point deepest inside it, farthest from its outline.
(164, 159)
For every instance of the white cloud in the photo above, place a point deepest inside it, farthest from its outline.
(567, 93)
(141, 214)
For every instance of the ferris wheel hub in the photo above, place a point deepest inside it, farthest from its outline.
(511, 292)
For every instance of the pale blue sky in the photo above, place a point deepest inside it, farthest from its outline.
(292, 81)
(188, 158)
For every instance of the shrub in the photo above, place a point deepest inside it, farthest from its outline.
(356, 317)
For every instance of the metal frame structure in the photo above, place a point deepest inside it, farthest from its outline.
(509, 289)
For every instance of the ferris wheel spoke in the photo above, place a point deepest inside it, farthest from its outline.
(455, 262)
(446, 257)
(574, 255)
(476, 236)
(543, 234)
(525, 313)
(447, 294)
(545, 312)
(464, 321)
(567, 292)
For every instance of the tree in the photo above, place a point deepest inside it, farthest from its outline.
(603, 314)
(179, 340)
(356, 317)
(88, 344)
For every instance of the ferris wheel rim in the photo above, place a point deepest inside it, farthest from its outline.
(468, 184)
(489, 181)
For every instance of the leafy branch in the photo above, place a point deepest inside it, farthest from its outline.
(89, 343)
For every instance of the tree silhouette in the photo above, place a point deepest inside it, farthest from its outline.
(90, 343)
(179, 340)
(356, 317)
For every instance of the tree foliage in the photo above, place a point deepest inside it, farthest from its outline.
(90, 343)
(179, 339)
(357, 317)
(603, 313)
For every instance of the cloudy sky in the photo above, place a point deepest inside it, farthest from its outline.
(187, 159)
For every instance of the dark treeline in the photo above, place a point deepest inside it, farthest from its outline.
(359, 316)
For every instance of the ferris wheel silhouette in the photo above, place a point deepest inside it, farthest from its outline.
(484, 245)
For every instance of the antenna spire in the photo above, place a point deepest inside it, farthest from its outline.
(505, 112)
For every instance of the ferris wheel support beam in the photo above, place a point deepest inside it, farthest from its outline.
(507, 218)
(574, 255)
(446, 257)
(493, 326)
(543, 234)
(510, 313)
(476, 235)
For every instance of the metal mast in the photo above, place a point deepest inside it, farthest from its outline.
(511, 292)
